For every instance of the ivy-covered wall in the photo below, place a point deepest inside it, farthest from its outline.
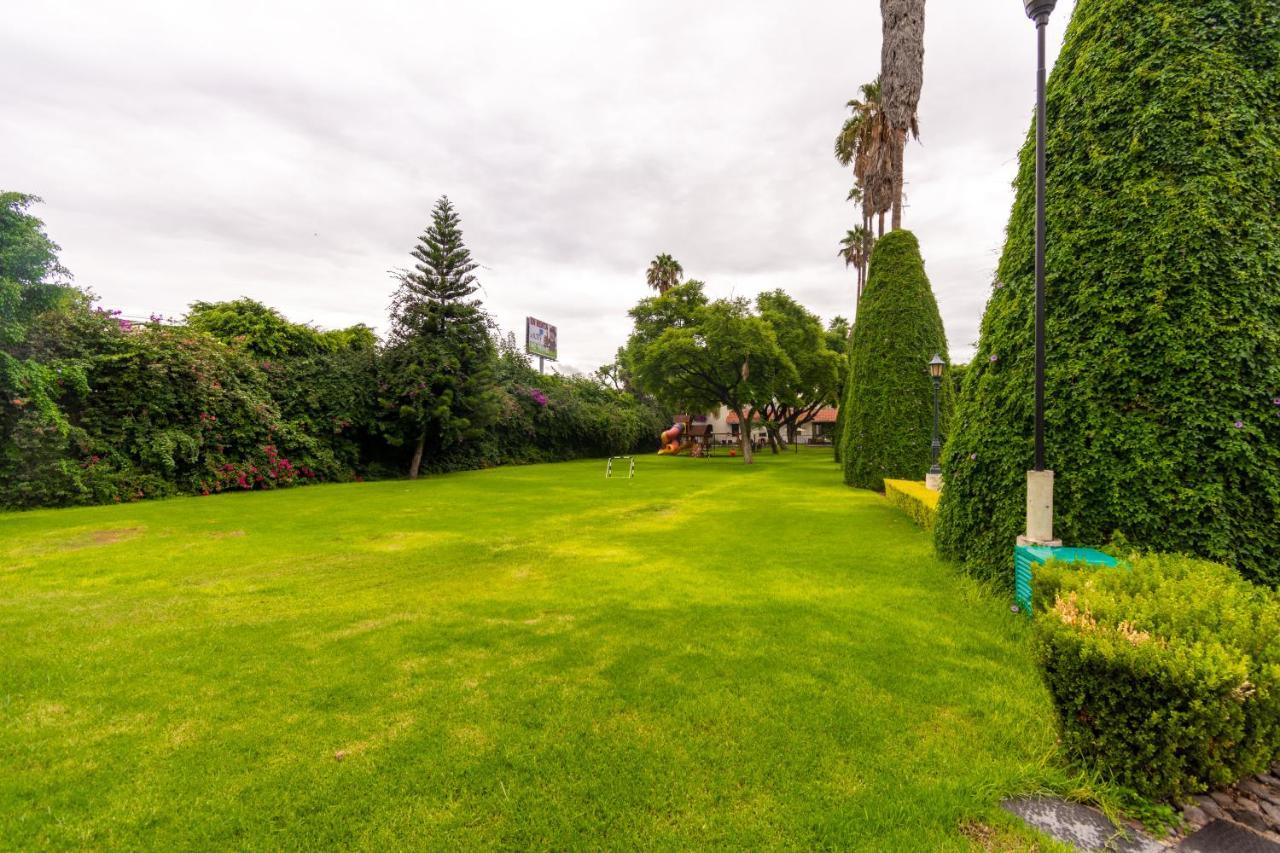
(1163, 376)
(886, 420)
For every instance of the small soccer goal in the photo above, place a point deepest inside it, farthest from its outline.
(631, 466)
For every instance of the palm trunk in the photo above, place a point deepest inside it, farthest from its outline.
(900, 145)
(866, 249)
(417, 456)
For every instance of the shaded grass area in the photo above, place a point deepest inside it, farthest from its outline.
(708, 655)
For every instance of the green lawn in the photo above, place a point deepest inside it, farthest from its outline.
(708, 655)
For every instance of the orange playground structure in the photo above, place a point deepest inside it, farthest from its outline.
(686, 437)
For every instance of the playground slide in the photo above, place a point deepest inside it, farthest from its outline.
(671, 443)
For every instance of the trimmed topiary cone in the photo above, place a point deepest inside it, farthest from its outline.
(1163, 323)
(886, 420)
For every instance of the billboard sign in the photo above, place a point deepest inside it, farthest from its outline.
(539, 338)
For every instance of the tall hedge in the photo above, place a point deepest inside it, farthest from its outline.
(1163, 376)
(887, 417)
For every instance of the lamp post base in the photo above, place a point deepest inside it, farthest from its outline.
(933, 481)
(1039, 510)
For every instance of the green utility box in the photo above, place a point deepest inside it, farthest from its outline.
(1027, 557)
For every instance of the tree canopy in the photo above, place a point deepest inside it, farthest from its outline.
(664, 273)
(818, 358)
(696, 355)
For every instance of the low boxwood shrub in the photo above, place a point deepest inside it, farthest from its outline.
(915, 499)
(1165, 675)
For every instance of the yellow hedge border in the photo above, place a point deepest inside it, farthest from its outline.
(914, 499)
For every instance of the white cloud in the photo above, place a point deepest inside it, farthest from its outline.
(292, 152)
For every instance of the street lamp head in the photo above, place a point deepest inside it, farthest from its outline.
(935, 367)
(1039, 10)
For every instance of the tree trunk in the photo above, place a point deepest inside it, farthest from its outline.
(791, 433)
(773, 439)
(881, 229)
(744, 436)
(866, 255)
(899, 150)
(417, 456)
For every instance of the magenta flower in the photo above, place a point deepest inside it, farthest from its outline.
(994, 359)
(1239, 424)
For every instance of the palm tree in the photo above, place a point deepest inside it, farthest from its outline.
(902, 77)
(664, 273)
(855, 248)
(865, 142)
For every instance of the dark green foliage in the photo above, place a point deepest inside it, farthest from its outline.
(886, 422)
(955, 374)
(818, 357)
(696, 355)
(1163, 378)
(550, 418)
(32, 281)
(324, 382)
(147, 411)
(1165, 677)
(96, 409)
(437, 387)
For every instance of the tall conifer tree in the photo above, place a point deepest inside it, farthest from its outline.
(438, 369)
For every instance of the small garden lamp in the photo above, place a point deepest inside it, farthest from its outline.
(933, 479)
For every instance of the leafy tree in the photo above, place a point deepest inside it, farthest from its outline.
(263, 331)
(1162, 420)
(818, 368)
(887, 417)
(664, 273)
(324, 381)
(437, 387)
(695, 355)
(32, 283)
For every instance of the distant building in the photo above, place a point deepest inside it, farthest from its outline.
(725, 427)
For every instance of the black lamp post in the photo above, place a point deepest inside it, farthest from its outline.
(1039, 480)
(1039, 11)
(934, 478)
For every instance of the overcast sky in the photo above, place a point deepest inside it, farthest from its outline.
(291, 152)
